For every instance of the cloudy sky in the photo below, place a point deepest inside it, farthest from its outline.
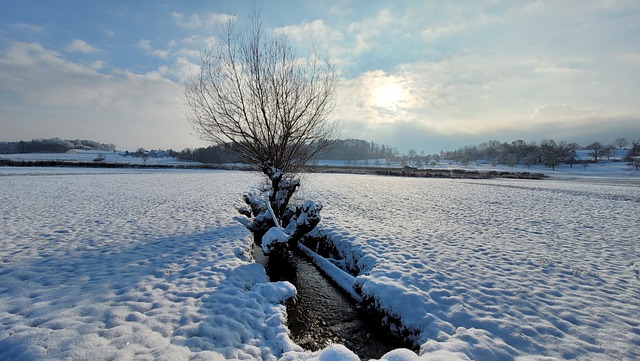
(423, 75)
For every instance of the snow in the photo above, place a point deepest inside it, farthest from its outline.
(153, 264)
(337, 353)
(331, 353)
(133, 266)
(76, 155)
(310, 211)
(494, 269)
(274, 235)
(346, 281)
(272, 238)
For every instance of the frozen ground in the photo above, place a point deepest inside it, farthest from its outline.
(497, 269)
(122, 264)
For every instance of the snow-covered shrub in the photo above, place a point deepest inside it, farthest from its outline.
(260, 221)
(274, 222)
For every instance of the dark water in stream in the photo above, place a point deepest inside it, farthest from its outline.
(323, 313)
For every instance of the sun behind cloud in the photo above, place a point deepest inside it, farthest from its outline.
(386, 95)
(389, 96)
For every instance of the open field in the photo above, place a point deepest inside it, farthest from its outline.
(496, 269)
(150, 264)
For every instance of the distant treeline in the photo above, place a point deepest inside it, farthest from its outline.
(52, 145)
(95, 164)
(215, 154)
(357, 149)
(342, 149)
(548, 152)
(425, 173)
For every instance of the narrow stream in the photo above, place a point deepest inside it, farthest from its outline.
(323, 313)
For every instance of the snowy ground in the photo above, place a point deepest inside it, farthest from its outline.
(497, 269)
(124, 264)
(89, 155)
(121, 266)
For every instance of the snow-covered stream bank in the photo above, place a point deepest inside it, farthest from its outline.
(323, 314)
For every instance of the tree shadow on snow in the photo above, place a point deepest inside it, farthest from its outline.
(189, 289)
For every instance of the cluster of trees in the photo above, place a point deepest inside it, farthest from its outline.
(215, 154)
(548, 152)
(52, 145)
(358, 149)
(341, 149)
(633, 156)
(146, 154)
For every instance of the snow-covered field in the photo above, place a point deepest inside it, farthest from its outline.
(77, 155)
(151, 265)
(496, 269)
(121, 266)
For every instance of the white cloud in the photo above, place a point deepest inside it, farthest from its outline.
(365, 31)
(431, 33)
(327, 39)
(160, 53)
(199, 42)
(80, 46)
(316, 30)
(556, 70)
(631, 59)
(35, 55)
(187, 53)
(564, 112)
(98, 65)
(45, 93)
(145, 45)
(181, 69)
(29, 28)
(206, 20)
(486, 96)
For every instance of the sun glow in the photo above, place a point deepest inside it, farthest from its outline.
(389, 96)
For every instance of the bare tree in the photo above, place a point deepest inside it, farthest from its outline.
(595, 148)
(572, 154)
(620, 142)
(607, 150)
(551, 153)
(254, 94)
